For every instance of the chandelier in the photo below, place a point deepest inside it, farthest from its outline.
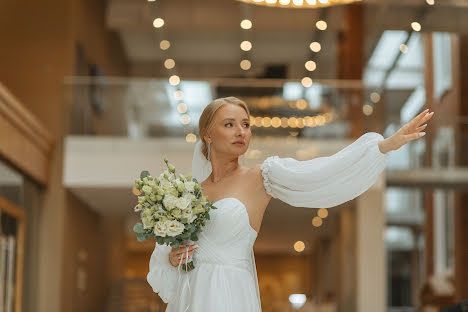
(299, 4)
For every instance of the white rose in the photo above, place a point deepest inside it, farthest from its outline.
(174, 228)
(160, 229)
(170, 201)
(189, 196)
(190, 186)
(187, 213)
(182, 203)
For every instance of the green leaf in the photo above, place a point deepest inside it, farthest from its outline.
(144, 174)
(141, 237)
(138, 228)
(194, 237)
(207, 216)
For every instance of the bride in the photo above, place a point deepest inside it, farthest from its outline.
(225, 278)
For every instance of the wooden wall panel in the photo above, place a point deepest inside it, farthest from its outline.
(24, 142)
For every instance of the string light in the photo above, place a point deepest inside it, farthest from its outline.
(322, 213)
(246, 45)
(185, 119)
(191, 138)
(164, 45)
(317, 221)
(275, 122)
(158, 22)
(375, 97)
(299, 246)
(320, 120)
(315, 46)
(430, 2)
(292, 122)
(301, 104)
(416, 26)
(169, 63)
(321, 25)
(403, 48)
(310, 66)
(300, 123)
(182, 108)
(306, 82)
(245, 64)
(246, 24)
(367, 109)
(174, 80)
(178, 95)
(300, 3)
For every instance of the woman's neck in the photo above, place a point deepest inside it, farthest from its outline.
(222, 167)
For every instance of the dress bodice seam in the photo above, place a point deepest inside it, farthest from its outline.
(244, 208)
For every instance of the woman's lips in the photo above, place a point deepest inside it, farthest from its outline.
(239, 143)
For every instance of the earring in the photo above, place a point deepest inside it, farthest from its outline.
(208, 150)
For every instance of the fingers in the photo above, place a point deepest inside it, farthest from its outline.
(178, 255)
(421, 118)
(417, 120)
(421, 128)
(184, 250)
(183, 257)
(414, 136)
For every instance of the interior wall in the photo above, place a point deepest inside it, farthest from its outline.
(85, 265)
(38, 42)
(34, 58)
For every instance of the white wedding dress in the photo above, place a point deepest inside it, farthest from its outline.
(225, 277)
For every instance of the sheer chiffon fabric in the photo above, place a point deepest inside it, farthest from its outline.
(225, 277)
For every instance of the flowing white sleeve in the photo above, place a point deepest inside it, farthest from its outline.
(326, 182)
(162, 275)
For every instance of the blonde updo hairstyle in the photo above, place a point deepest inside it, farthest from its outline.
(207, 117)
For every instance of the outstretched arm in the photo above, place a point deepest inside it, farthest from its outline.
(409, 132)
(329, 181)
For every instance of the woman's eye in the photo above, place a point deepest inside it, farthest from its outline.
(247, 125)
(228, 124)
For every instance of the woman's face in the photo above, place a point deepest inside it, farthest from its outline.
(230, 133)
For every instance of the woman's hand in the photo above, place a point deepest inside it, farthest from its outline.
(409, 132)
(176, 254)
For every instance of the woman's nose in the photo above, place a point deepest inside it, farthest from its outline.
(240, 131)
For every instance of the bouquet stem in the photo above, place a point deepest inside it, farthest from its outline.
(188, 267)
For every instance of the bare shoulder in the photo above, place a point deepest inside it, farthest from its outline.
(255, 173)
(255, 179)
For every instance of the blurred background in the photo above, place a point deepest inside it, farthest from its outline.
(94, 91)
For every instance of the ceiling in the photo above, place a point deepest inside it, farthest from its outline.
(205, 34)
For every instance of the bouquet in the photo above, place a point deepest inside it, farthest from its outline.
(172, 209)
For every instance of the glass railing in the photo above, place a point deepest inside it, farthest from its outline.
(140, 108)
